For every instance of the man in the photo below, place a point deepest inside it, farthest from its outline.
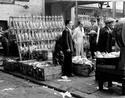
(92, 37)
(67, 47)
(79, 38)
(105, 37)
(5, 42)
(58, 56)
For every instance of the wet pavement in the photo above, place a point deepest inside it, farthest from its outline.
(80, 87)
(87, 87)
(13, 87)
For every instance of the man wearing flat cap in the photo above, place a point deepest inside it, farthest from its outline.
(105, 37)
(92, 36)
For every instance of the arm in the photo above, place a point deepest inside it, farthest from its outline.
(65, 39)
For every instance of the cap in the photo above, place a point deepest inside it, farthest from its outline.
(93, 20)
(109, 20)
(92, 32)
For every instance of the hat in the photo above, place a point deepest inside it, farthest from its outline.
(109, 20)
(92, 32)
(93, 20)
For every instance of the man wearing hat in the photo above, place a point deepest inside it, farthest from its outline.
(92, 36)
(105, 37)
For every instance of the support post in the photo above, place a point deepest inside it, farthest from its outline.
(43, 7)
(114, 9)
(76, 12)
(124, 9)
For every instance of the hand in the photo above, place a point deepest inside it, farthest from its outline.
(68, 50)
(75, 41)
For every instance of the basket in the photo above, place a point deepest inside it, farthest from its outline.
(81, 69)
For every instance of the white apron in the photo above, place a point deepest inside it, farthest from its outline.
(78, 36)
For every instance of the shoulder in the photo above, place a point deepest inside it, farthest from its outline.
(104, 29)
(76, 29)
(66, 30)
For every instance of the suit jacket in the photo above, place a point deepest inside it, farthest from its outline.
(105, 40)
(67, 42)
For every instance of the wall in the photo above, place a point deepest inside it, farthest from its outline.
(7, 10)
(61, 9)
(56, 9)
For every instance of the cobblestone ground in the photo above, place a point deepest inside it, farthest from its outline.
(13, 87)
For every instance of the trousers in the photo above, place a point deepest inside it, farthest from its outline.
(67, 65)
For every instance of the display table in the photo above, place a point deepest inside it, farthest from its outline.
(107, 71)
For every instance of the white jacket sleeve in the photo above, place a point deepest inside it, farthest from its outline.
(74, 36)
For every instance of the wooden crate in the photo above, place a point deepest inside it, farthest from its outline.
(81, 69)
(23, 67)
(52, 72)
(10, 65)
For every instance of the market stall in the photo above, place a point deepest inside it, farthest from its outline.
(35, 38)
(111, 66)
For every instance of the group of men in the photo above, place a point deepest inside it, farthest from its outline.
(75, 38)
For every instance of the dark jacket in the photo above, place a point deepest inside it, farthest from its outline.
(67, 42)
(92, 37)
(58, 56)
(105, 40)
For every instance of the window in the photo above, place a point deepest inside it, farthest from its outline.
(6, 1)
(23, 0)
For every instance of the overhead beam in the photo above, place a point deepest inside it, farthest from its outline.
(79, 1)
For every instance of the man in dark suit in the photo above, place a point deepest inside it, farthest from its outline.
(105, 37)
(67, 47)
(92, 36)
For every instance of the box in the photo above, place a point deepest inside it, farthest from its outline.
(10, 65)
(51, 72)
(81, 69)
(39, 73)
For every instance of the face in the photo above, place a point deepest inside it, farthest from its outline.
(70, 25)
(111, 25)
(101, 25)
(92, 22)
(81, 25)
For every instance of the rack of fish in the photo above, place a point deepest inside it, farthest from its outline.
(35, 35)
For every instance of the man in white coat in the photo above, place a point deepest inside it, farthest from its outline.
(78, 38)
